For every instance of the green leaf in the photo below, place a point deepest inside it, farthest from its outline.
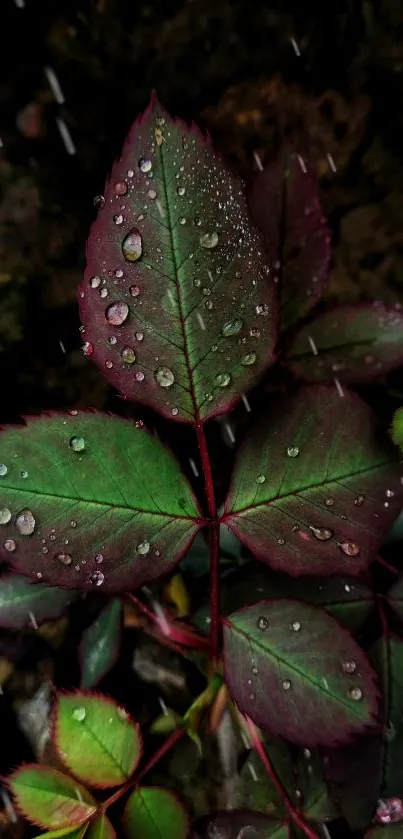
(397, 429)
(101, 828)
(257, 791)
(96, 738)
(237, 824)
(191, 299)
(395, 597)
(315, 488)
(77, 833)
(321, 686)
(391, 831)
(92, 501)
(155, 813)
(387, 657)
(315, 800)
(354, 343)
(24, 602)
(99, 648)
(49, 798)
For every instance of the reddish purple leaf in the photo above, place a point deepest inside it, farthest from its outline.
(354, 343)
(241, 823)
(315, 487)
(178, 301)
(285, 206)
(321, 686)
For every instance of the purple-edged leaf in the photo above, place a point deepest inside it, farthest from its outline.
(371, 771)
(321, 686)
(90, 500)
(315, 487)
(391, 831)
(346, 598)
(239, 823)
(26, 603)
(354, 343)
(96, 738)
(285, 206)
(101, 828)
(395, 597)
(153, 813)
(49, 798)
(178, 300)
(99, 648)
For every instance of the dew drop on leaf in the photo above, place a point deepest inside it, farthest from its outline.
(152, 194)
(261, 479)
(164, 377)
(262, 623)
(293, 451)
(181, 190)
(10, 545)
(3, 470)
(79, 714)
(222, 379)
(121, 187)
(175, 412)
(389, 811)
(118, 219)
(139, 336)
(296, 626)
(99, 202)
(262, 309)
(103, 292)
(95, 282)
(128, 355)
(139, 376)
(116, 313)
(232, 327)
(349, 666)
(25, 523)
(77, 444)
(359, 500)
(65, 559)
(307, 754)
(322, 533)
(99, 559)
(248, 359)
(24, 474)
(286, 684)
(329, 502)
(143, 548)
(97, 578)
(350, 548)
(355, 693)
(5, 515)
(134, 290)
(209, 240)
(389, 493)
(132, 245)
(145, 164)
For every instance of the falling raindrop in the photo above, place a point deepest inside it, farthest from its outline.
(222, 379)
(349, 666)
(132, 246)
(25, 523)
(3, 470)
(95, 282)
(79, 714)
(97, 578)
(64, 558)
(5, 515)
(350, 548)
(249, 358)
(164, 377)
(355, 693)
(209, 240)
(286, 684)
(143, 548)
(128, 355)
(77, 444)
(322, 533)
(293, 451)
(116, 313)
(145, 164)
(262, 623)
(232, 327)
(10, 545)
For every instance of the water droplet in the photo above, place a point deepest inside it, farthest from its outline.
(164, 377)
(118, 219)
(389, 493)
(181, 190)
(254, 671)
(232, 327)
(349, 666)
(112, 340)
(261, 479)
(143, 548)
(79, 714)
(99, 202)
(73, 523)
(389, 811)
(359, 500)
(296, 626)
(262, 309)
(97, 578)
(25, 523)
(121, 187)
(5, 515)
(222, 379)
(99, 559)
(128, 355)
(139, 376)
(329, 502)
(249, 358)
(132, 246)
(118, 273)
(209, 240)
(281, 541)
(139, 336)
(182, 220)
(307, 754)
(77, 444)
(175, 412)
(286, 684)
(208, 304)
(64, 558)
(95, 282)
(254, 333)
(109, 364)
(355, 693)
(103, 293)
(145, 164)
(262, 623)
(24, 474)
(10, 545)
(322, 533)
(152, 194)
(293, 451)
(116, 313)
(350, 548)
(3, 470)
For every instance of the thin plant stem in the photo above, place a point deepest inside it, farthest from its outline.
(214, 541)
(170, 630)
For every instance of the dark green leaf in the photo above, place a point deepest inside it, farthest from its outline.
(257, 791)
(395, 597)
(92, 501)
(96, 738)
(315, 800)
(77, 833)
(155, 813)
(240, 823)
(99, 648)
(315, 488)
(49, 798)
(24, 602)
(190, 297)
(322, 689)
(101, 828)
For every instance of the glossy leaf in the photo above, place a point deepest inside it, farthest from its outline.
(237, 823)
(285, 206)
(176, 276)
(92, 501)
(96, 738)
(26, 603)
(152, 813)
(321, 686)
(315, 487)
(49, 798)
(354, 343)
(395, 597)
(101, 828)
(99, 648)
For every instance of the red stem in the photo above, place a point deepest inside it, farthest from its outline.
(170, 632)
(391, 568)
(259, 747)
(214, 545)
